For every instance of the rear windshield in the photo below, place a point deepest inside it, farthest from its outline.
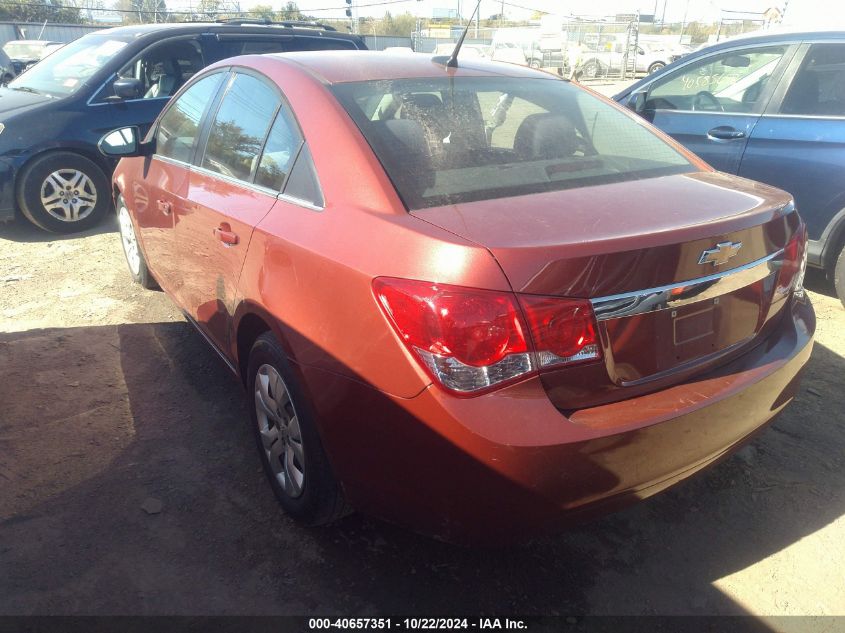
(444, 141)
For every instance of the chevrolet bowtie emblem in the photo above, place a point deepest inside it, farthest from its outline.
(722, 252)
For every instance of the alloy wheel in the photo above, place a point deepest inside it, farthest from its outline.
(68, 195)
(278, 426)
(130, 242)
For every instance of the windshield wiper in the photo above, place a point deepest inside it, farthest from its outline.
(28, 89)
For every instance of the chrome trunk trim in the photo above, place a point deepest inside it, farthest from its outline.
(676, 295)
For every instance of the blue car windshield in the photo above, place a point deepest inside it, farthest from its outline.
(66, 71)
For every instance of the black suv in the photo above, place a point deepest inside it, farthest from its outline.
(52, 116)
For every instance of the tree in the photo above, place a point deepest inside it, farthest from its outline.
(403, 24)
(262, 12)
(291, 12)
(143, 11)
(39, 12)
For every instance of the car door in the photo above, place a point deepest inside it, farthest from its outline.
(162, 193)
(161, 69)
(712, 104)
(799, 143)
(239, 170)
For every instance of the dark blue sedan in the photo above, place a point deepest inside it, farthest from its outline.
(770, 107)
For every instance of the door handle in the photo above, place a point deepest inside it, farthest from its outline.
(725, 133)
(224, 234)
(164, 206)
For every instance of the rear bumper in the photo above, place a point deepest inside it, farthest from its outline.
(509, 463)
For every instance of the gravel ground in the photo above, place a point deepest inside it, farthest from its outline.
(129, 484)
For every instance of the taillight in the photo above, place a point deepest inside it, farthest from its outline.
(470, 340)
(563, 330)
(794, 264)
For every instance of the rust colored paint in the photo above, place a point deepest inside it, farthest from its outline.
(672, 393)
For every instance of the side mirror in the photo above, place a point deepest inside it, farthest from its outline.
(125, 141)
(637, 100)
(127, 88)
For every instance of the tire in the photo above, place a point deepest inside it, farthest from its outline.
(77, 190)
(655, 67)
(839, 276)
(591, 69)
(536, 65)
(316, 497)
(131, 249)
(5, 79)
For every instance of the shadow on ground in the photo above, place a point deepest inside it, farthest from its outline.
(20, 230)
(97, 421)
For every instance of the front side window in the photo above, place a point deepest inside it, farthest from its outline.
(818, 88)
(178, 128)
(165, 67)
(240, 127)
(66, 71)
(727, 82)
(479, 138)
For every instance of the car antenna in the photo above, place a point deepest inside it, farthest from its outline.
(452, 60)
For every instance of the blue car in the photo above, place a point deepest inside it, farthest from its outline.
(53, 115)
(770, 107)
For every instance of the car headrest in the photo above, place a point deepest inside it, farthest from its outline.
(546, 136)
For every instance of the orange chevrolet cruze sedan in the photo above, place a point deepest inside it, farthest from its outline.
(478, 301)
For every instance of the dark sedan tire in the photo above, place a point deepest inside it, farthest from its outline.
(63, 192)
(839, 276)
(5, 79)
(287, 438)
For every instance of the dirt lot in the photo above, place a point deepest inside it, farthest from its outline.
(108, 400)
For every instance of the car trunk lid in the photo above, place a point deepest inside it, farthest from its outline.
(681, 271)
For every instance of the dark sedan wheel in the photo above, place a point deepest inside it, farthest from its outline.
(839, 276)
(655, 67)
(287, 439)
(63, 192)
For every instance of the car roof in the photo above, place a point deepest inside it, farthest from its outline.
(143, 30)
(347, 66)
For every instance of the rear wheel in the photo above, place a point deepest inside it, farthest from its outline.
(63, 192)
(129, 240)
(839, 276)
(535, 63)
(591, 69)
(287, 439)
(5, 79)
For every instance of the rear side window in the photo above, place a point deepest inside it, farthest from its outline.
(240, 126)
(478, 138)
(280, 150)
(178, 128)
(818, 88)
